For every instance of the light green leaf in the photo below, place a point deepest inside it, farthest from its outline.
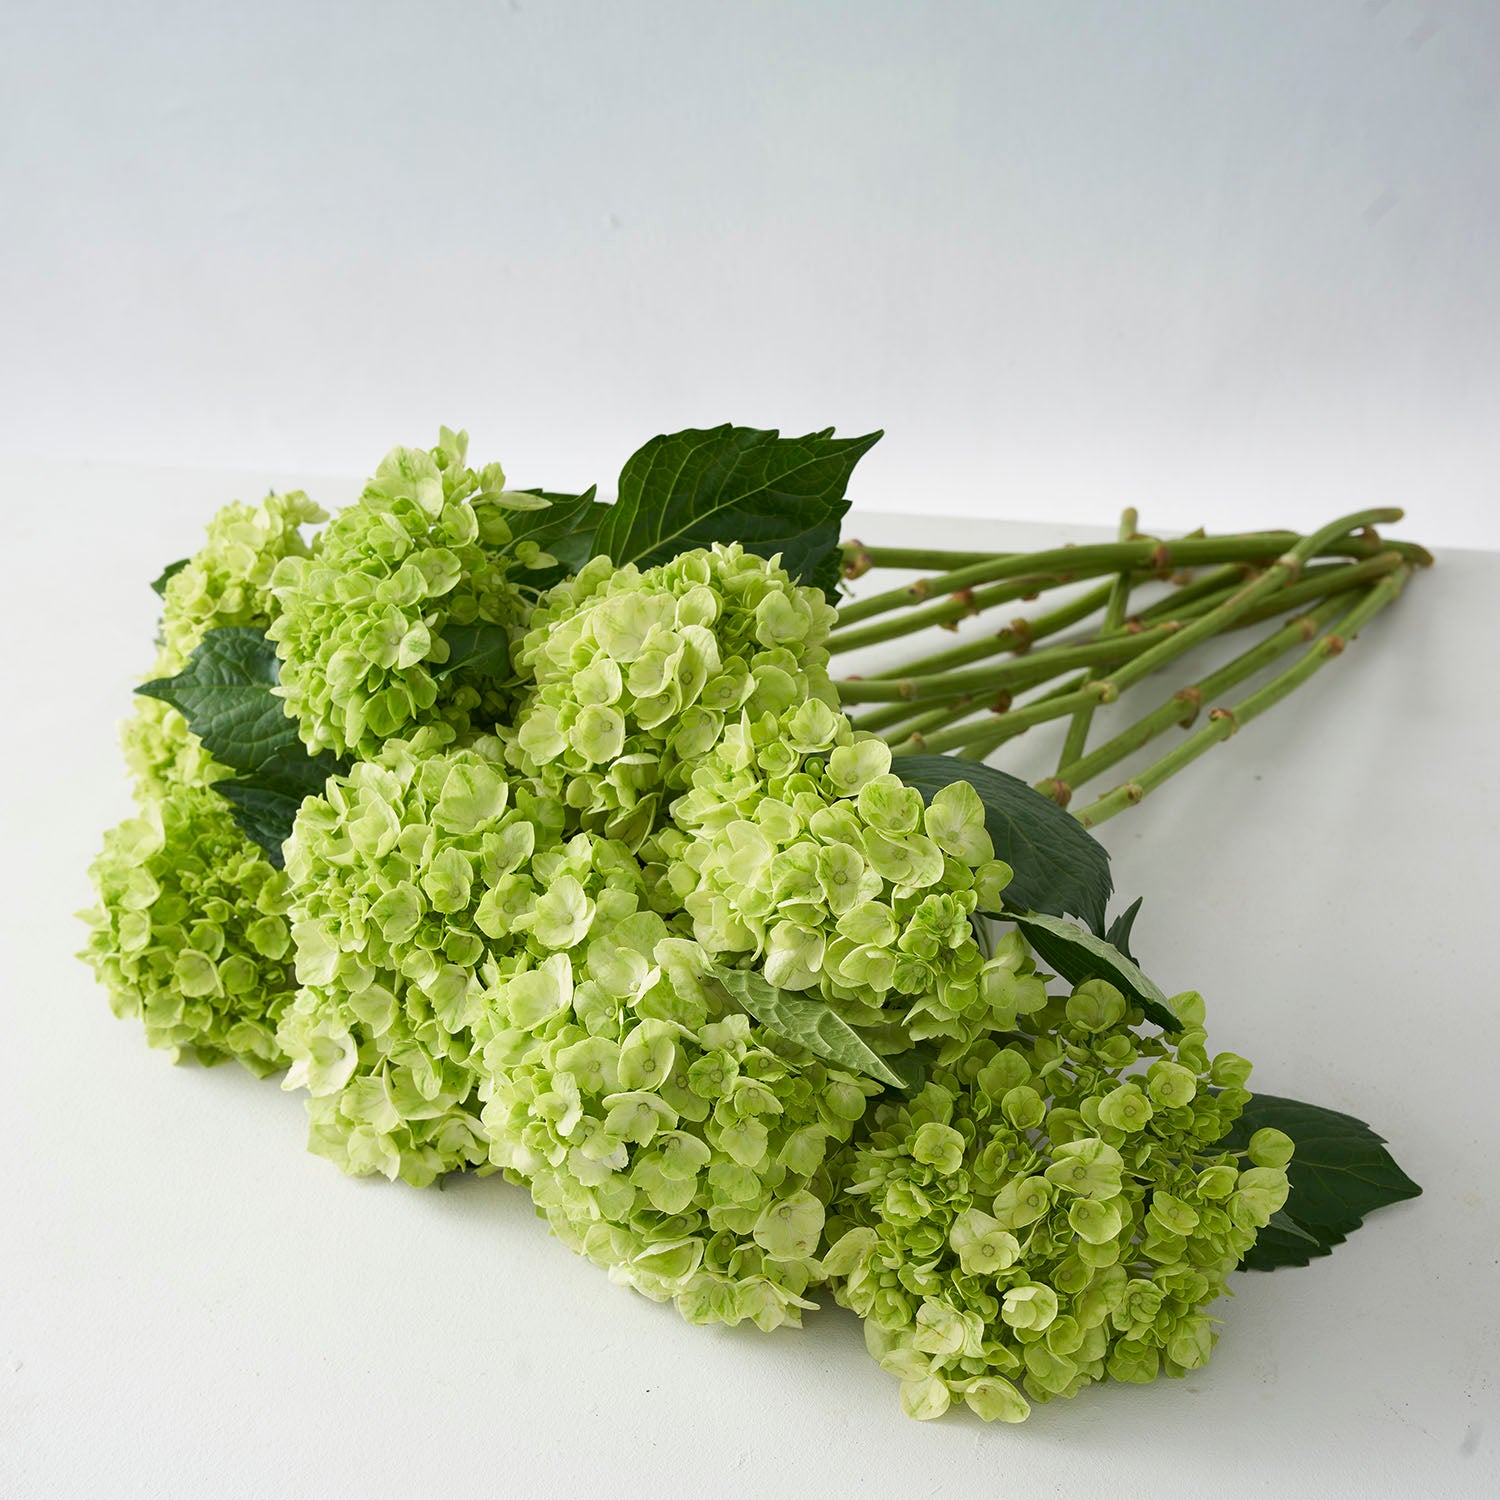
(806, 1023)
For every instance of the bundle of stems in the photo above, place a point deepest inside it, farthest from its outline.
(1321, 588)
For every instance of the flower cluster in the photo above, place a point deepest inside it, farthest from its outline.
(359, 625)
(1039, 1215)
(191, 932)
(634, 676)
(503, 937)
(408, 876)
(797, 846)
(225, 583)
(478, 990)
(228, 580)
(664, 1135)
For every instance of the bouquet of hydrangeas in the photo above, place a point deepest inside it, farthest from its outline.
(530, 835)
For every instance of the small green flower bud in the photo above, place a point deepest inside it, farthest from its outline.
(1271, 1148)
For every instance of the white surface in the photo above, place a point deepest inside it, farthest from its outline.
(1224, 261)
(191, 1305)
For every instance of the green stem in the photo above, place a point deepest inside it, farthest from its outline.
(1146, 555)
(891, 713)
(1019, 672)
(1283, 570)
(1114, 617)
(975, 741)
(1224, 721)
(945, 612)
(1183, 706)
(1060, 699)
(915, 733)
(1016, 636)
(1314, 583)
(1216, 581)
(858, 555)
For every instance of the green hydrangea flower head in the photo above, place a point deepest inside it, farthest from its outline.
(797, 847)
(663, 1134)
(1012, 1232)
(360, 624)
(408, 876)
(191, 931)
(635, 674)
(162, 752)
(225, 583)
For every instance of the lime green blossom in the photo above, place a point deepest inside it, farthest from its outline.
(225, 583)
(191, 933)
(360, 624)
(479, 990)
(1018, 1229)
(162, 752)
(667, 1138)
(796, 846)
(407, 876)
(635, 674)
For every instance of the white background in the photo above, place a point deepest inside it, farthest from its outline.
(1234, 263)
(1237, 263)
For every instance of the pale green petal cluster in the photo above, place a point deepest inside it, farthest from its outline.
(408, 876)
(666, 1137)
(496, 940)
(191, 933)
(225, 583)
(1050, 1210)
(796, 846)
(162, 752)
(636, 675)
(478, 990)
(360, 624)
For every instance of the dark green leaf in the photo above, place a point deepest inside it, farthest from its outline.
(1120, 929)
(565, 529)
(733, 484)
(480, 648)
(1059, 867)
(828, 575)
(1077, 955)
(168, 573)
(1341, 1171)
(914, 1066)
(291, 769)
(264, 814)
(805, 1023)
(225, 694)
(1284, 1242)
(828, 572)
